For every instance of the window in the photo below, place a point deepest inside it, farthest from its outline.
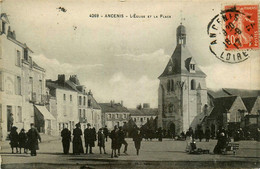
(193, 84)
(89, 102)
(84, 113)
(134, 119)
(31, 88)
(64, 111)
(117, 116)
(80, 115)
(109, 116)
(25, 54)
(1, 81)
(18, 58)
(71, 98)
(3, 27)
(1, 113)
(64, 97)
(80, 100)
(84, 100)
(19, 114)
(172, 85)
(192, 66)
(18, 85)
(124, 116)
(141, 119)
(168, 85)
(40, 87)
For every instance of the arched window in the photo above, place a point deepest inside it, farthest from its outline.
(168, 85)
(193, 84)
(172, 85)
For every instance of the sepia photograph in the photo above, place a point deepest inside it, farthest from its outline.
(148, 84)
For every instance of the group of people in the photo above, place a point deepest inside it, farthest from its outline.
(117, 137)
(24, 140)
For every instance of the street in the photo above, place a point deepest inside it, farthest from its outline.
(153, 154)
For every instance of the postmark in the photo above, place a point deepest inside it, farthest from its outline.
(234, 33)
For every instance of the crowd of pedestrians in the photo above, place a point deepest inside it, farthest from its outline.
(117, 136)
(24, 140)
(29, 140)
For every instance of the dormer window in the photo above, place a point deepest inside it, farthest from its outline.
(25, 54)
(192, 67)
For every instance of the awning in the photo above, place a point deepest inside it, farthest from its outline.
(46, 114)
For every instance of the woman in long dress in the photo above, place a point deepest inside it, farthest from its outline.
(14, 139)
(77, 141)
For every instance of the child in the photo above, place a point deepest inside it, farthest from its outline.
(101, 140)
(14, 138)
(23, 141)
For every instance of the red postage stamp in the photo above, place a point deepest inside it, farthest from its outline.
(241, 27)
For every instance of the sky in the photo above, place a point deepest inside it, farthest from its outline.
(121, 58)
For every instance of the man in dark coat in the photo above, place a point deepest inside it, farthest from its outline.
(121, 140)
(114, 142)
(66, 138)
(200, 134)
(23, 141)
(77, 142)
(33, 137)
(89, 136)
(14, 139)
(207, 134)
(105, 130)
(137, 138)
(159, 134)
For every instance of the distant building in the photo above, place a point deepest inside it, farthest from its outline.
(63, 103)
(182, 89)
(142, 114)
(114, 114)
(231, 109)
(88, 109)
(22, 82)
(70, 103)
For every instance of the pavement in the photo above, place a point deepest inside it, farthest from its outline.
(153, 154)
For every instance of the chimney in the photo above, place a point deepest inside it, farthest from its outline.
(111, 103)
(74, 79)
(146, 105)
(122, 103)
(61, 79)
(90, 93)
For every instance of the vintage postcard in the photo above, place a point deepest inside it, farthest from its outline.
(129, 84)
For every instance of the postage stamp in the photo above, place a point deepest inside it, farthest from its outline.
(241, 27)
(234, 32)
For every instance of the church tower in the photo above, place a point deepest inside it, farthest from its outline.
(182, 89)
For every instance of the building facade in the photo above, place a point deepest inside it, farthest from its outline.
(88, 109)
(63, 102)
(182, 89)
(114, 114)
(142, 114)
(22, 82)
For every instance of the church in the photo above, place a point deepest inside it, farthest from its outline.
(182, 90)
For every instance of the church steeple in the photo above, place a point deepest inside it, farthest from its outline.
(181, 35)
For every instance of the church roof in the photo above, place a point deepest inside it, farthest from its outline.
(222, 105)
(249, 102)
(215, 93)
(179, 62)
(242, 92)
